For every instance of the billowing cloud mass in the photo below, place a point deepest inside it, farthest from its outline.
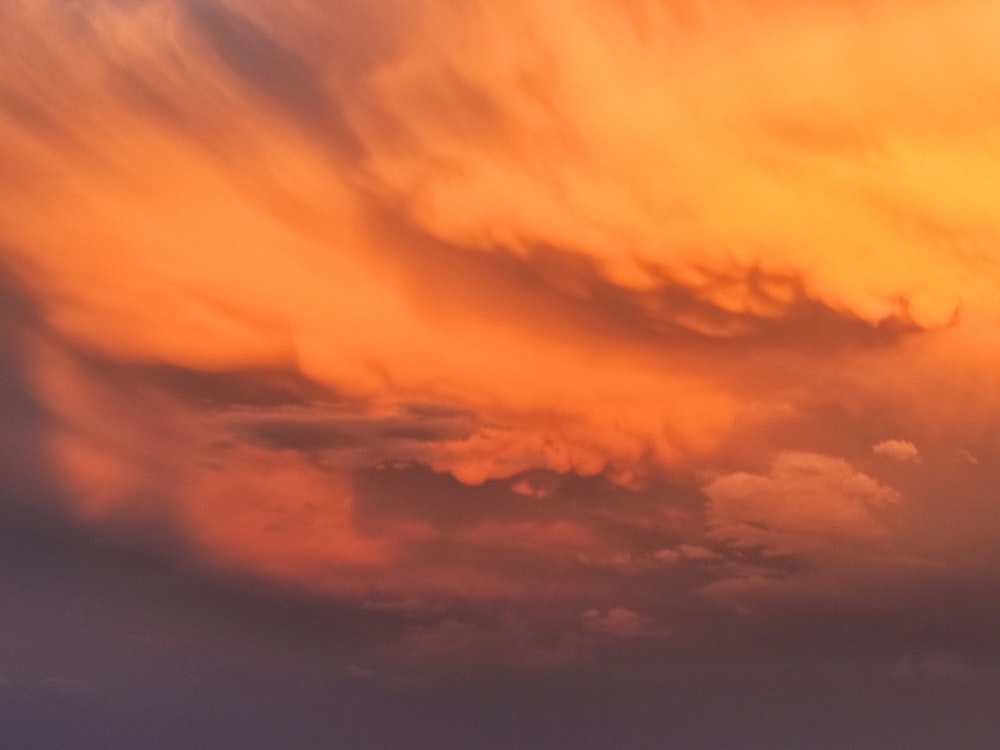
(552, 328)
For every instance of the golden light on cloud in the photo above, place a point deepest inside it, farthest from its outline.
(498, 302)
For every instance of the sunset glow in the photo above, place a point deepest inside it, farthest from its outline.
(519, 338)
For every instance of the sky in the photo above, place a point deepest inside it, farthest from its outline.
(530, 374)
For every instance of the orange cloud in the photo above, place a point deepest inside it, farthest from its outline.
(608, 244)
(805, 501)
(897, 450)
(815, 139)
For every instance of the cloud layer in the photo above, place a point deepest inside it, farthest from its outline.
(555, 325)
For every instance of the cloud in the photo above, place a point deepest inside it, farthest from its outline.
(291, 233)
(810, 108)
(964, 456)
(897, 450)
(685, 552)
(805, 502)
(432, 301)
(363, 437)
(528, 489)
(622, 623)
